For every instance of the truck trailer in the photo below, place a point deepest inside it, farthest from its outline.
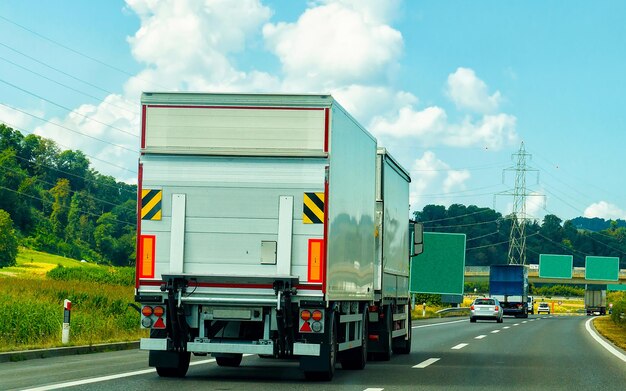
(269, 225)
(509, 284)
(595, 299)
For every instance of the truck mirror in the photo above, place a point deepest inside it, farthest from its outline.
(418, 238)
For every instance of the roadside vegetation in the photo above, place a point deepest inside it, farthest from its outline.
(31, 302)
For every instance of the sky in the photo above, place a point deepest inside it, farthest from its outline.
(451, 88)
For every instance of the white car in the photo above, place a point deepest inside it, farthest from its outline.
(543, 307)
(486, 308)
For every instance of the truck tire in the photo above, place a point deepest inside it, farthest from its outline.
(328, 358)
(180, 370)
(402, 345)
(357, 357)
(229, 361)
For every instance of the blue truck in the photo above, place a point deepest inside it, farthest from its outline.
(509, 284)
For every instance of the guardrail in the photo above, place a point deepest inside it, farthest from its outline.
(452, 310)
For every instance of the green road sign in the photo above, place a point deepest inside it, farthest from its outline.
(616, 287)
(440, 268)
(602, 268)
(555, 266)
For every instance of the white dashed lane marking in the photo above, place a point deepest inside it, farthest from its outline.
(480, 337)
(495, 331)
(426, 363)
(459, 346)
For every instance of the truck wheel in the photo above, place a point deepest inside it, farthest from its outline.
(404, 345)
(180, 370)
(473, 320)
(229, 361)
(357, 357)
(328, 358)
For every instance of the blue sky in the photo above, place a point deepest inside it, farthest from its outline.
(450, 87)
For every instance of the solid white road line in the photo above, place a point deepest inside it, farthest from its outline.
(110, 377)
(459, 346)
(480, 337)
(426, 363)
(495, 331)
(438, 324)
(602, 342)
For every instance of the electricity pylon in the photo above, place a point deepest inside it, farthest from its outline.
(517, 238)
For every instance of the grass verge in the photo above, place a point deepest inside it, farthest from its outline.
(611, 331)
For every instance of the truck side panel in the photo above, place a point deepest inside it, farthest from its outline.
(351, 210)
(396, 231)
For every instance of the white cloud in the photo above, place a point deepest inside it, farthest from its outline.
(335, 44)
(605, 210)
(186, 45)
(14, 118)
(363, 102)
(431, 175)
(468, 92)
(107, 132)
(431, 126)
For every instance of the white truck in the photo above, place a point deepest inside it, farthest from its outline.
(269, 225)
(595, 299)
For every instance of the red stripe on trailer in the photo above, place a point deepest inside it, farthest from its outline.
(143, 126)
(139, 188)
(325, 243)
(237, 107)
(326, 128)
(309, 287)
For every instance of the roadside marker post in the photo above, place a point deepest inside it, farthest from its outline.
(65, 335)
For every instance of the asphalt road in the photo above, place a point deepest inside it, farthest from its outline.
(539, 353)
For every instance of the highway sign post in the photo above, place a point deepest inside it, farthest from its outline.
(556, 266)
(440, 268)
(602, 268)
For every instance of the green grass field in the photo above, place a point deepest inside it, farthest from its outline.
(32, 303)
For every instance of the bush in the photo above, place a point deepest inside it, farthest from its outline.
(8, 241)
(112, 275)
(618, 314)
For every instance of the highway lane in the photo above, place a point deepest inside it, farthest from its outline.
(539, 353)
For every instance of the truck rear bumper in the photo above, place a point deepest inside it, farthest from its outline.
(266, 348)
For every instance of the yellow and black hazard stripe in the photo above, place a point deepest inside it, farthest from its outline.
(151, 204)
(313, 208)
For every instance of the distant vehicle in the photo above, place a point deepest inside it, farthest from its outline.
(595, 300)
(486, 308)
(509, 284)
(543, 307)
(531, 307)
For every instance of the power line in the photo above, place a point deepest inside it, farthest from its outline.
(65, 146)
(56, 69)
(71, 130)
(76, 51)
(68, 109)
(71, 191)
(457, 192)
(455, 217)
(68, 87)
(46, 201)
(482, 236)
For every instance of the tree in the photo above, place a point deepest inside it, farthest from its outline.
(8, 240)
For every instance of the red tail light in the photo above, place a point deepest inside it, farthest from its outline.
(159, 311)
(317, 315)
(497, 308)
(472, 307)
(305, 315)
(146, 311)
